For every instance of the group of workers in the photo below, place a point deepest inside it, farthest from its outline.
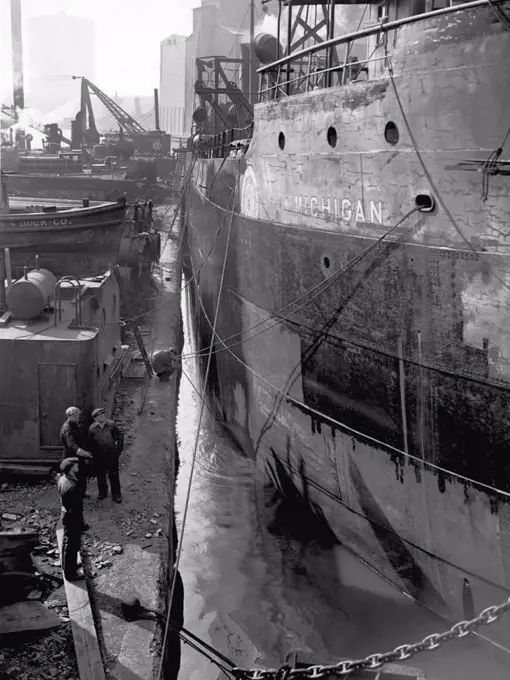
(105, 441)
(96, 452)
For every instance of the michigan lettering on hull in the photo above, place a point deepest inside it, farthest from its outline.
(341, 210)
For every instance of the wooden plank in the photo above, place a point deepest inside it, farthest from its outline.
(90, 664)
(132, 322)
(29, 615)
(117, 368)
(141, 347)
(30, 470)
(5, 318)
(35, 462)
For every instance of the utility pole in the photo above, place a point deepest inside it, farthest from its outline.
(253, 59)
(156, 107)
(3, 301)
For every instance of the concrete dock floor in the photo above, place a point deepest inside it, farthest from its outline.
(147, 479)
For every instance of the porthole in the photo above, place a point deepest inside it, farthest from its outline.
(425, 202)
(327, 265)
(332, 137)
(281, 141)
(391, 134)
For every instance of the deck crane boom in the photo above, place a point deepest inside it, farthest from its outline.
(125, 121)
(131, 133)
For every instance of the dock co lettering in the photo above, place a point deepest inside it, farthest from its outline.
(339, 209)
(61, 222)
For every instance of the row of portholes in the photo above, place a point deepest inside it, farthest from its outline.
(391, 135)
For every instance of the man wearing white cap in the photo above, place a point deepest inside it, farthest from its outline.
(73, 441)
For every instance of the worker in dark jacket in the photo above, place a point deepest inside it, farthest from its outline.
(106, 442)
(165, 362)
(73, 440)
(72, 517)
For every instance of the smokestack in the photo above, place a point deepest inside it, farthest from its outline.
(156, 107)
(3, 300)
(17, 55)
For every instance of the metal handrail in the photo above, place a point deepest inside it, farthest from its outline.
(371, 30)
(313, 74)
(77, 298)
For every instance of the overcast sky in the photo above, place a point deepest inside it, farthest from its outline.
(128, 34)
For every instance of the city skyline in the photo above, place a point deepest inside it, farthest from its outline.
(128, 37)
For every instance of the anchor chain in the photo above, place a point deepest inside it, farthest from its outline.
(374, 661)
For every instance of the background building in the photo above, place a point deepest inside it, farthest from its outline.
(172, 85)
(58, 46)
(219, 28)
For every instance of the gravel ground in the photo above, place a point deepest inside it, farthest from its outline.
(50, 654)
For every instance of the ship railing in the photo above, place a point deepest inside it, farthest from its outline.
(342, 74)
(219, 144)
(321, 66)
(225, 143)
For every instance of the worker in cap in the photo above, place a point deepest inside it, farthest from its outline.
(107, 442)
(72, 439)
(72, 516)
(164, 362)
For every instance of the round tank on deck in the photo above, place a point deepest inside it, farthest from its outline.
(266, 47)
(27, 297)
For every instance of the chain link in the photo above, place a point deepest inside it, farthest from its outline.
(374, 661)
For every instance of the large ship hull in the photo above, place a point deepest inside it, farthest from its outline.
(303, 412)
(370, 365)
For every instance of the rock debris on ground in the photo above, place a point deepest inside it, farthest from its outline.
(42, 656)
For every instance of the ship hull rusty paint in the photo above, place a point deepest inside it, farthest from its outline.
(383, 393)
